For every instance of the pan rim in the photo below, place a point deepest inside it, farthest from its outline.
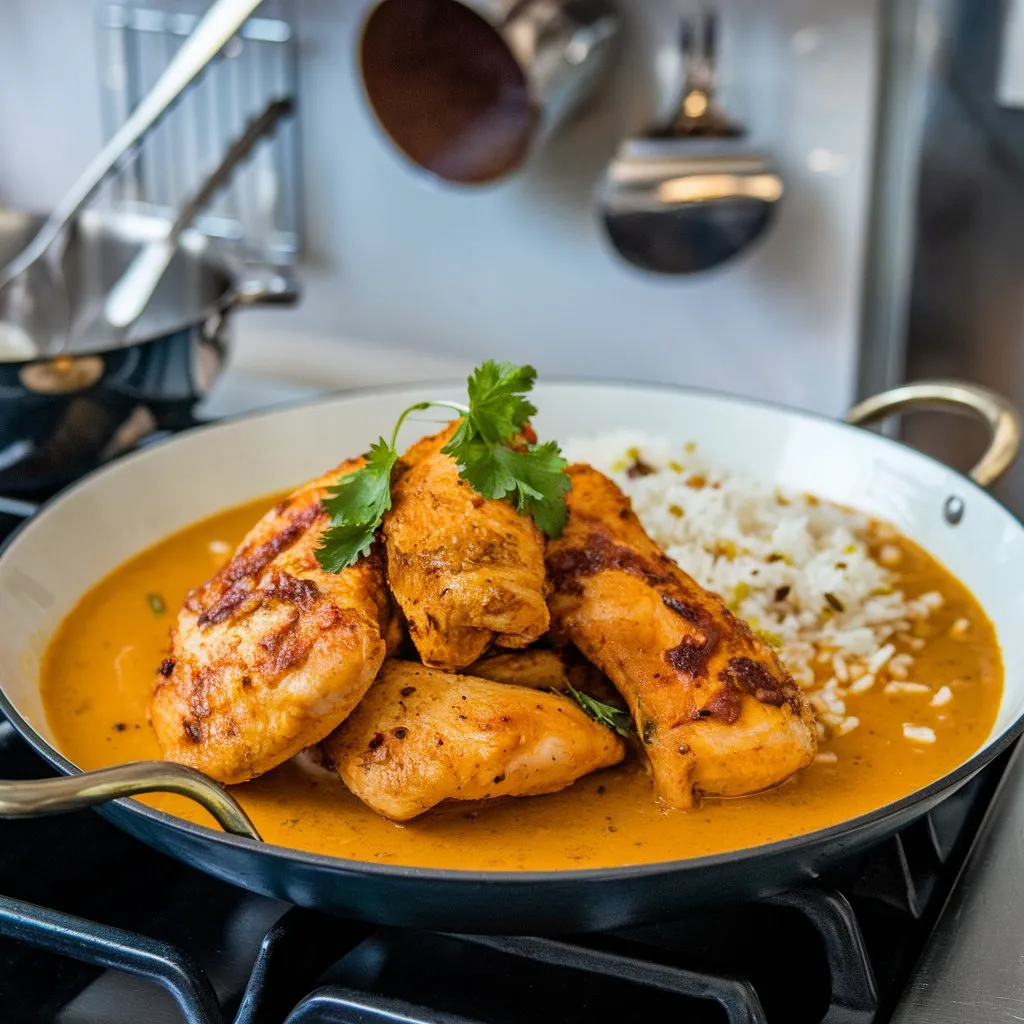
(458, 877)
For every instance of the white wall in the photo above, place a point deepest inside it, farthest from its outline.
(521, 271)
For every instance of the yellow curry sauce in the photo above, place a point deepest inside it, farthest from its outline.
(97, 674)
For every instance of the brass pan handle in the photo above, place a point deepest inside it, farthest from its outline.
(38, 797)
(1002, 418)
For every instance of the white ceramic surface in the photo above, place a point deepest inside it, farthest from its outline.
(110, 516)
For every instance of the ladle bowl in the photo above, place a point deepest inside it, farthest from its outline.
(683, 206)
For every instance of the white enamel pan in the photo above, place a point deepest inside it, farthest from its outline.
(100, 522)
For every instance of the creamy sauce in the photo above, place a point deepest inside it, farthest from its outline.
(98, 671)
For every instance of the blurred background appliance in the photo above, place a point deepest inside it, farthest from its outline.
(261, 213)
(944, 291)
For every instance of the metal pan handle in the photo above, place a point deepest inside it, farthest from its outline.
(39, 797)
(268, 287)
(1001, 417)
(17, 509)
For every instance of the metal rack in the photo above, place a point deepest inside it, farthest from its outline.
(260, 211)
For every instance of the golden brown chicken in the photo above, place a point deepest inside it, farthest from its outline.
(715, 710)
(464, 569)
(543, 668)
(272, 653)
(421, 736)
(537, 668)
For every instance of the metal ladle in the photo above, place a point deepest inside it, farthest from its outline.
(692, 195)
(32, 287)
(128, 298)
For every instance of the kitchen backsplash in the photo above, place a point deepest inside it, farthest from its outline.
(522, 270)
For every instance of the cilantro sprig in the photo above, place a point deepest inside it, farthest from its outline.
(604, 714)
(492, 454)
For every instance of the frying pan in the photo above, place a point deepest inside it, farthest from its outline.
(104, 519)
(62, 416)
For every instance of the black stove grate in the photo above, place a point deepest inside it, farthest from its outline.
(97, 927)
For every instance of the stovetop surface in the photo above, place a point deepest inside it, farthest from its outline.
(97, 927)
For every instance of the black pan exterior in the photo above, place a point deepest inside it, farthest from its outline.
(491, 903)
(66, 418)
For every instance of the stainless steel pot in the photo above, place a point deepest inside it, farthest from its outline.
(64, 415)
(468, 89)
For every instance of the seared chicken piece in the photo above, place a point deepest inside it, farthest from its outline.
(539, 669)
(421, 736)
(465, 570)
(272, 653)
(715, 710)
(546, 669)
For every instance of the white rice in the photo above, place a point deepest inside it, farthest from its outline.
(799, 571)
(918, 733)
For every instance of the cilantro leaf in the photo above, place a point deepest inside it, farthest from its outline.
(542, 485)
(531, 476)
(490, 450)
(486, 472)
(604, 714)
(533, 479)
(359, 495)
(356, 504)
(497, 409)
(343, 544)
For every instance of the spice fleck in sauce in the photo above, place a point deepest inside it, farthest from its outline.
(98, 671)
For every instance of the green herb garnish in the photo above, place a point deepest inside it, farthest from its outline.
(357, 503)
(489, 450)
(604, 714)
(156, 604)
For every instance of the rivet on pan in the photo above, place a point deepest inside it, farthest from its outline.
(953, 510)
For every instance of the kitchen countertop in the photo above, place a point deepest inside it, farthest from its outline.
(323, 363)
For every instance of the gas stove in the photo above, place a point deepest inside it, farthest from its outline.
(97, 927)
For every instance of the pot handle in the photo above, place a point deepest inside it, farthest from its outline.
(37, 797)
(268, 287)
(17, 509)
(1000, 415)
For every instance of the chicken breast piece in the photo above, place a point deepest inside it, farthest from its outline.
(540, 669)
(546, 669)
(272, 653)
(465, 570)
(714, 708)
(421, 736)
